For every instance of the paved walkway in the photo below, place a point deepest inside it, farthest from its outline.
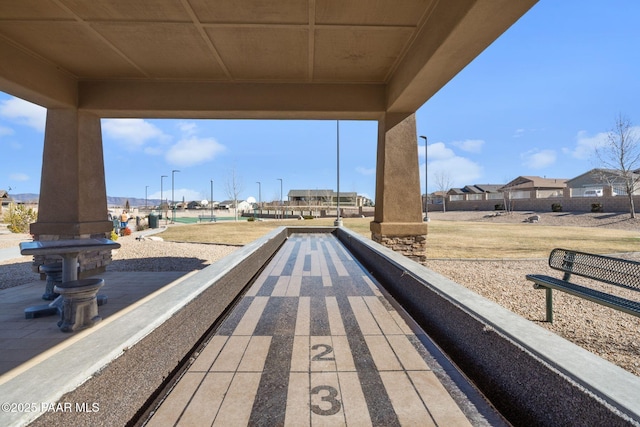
(25, 341)
(314, 342)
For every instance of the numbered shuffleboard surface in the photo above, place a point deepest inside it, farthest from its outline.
(313, 342)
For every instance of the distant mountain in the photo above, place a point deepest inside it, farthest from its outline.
(111, 201)
(133, 201)
(25, 197)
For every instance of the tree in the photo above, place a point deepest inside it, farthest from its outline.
(621, 153)
(233, 187)
(19, 218)
(443, 184)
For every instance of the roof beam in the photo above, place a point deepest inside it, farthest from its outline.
(450, 39)
(231, 100)
(34, 79)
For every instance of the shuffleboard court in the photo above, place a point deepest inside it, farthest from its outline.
(315, 341)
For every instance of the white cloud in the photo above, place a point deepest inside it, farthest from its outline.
(365, 171)
(586, 145)
(19, 177)
(538, 159)
(524, 132)
(470, 145)
(187, 128)
(439, 151)
(443, 160)
(132, 133)
(24, 113)
(153, 151)
(460, 170)
(193, 150)
(5, 131)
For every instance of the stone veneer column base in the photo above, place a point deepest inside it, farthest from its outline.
(413, 247)
(90, 263)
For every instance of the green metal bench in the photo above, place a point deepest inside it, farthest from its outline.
(613, 271)
(210, 218)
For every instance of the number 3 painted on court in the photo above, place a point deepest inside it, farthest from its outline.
(331, 398)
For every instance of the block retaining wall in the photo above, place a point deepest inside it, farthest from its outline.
(569, 204)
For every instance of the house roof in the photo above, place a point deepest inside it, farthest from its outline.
(600, 175)
(537, 182)
(310, 193)
(489, 188)
(319, 193)
(456, 191)
(476, 189)
(231, 202)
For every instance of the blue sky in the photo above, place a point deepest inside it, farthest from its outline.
(535, 102)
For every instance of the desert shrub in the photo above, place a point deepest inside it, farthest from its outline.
(556, 207)
(19, 218)
(498, 207)
(251, 219)
(308, 217)
(596, 207)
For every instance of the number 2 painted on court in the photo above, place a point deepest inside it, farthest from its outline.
(325, 392)
(323, 355)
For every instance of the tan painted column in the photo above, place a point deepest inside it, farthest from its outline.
(73, 197)
(398, 216)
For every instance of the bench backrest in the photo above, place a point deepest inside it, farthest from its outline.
(615, 271)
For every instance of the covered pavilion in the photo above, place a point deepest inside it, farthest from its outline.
(84, 60)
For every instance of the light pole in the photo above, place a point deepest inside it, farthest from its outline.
(173, 202)
(162, 198)
(338, 221)
(161, 193)
(259, 196)
(426, 178)
(211, 202)
(281, 207)
(146, 191)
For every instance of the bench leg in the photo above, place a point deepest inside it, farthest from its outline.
(549, 305)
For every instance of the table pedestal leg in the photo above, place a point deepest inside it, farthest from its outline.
(79, 304)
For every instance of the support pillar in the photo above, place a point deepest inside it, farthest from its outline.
(398, 220)
(73, 196)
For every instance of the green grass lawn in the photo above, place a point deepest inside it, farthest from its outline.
(446, 239)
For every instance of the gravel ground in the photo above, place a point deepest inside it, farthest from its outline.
(133, 255)
(621, 221)
(606, 332)
(612, 335)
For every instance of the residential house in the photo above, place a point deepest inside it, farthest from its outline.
(243, 205)
(475, 192)
(324, 198)
(226, 204)
(5, 199)
(525, 187)
(602, 181)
